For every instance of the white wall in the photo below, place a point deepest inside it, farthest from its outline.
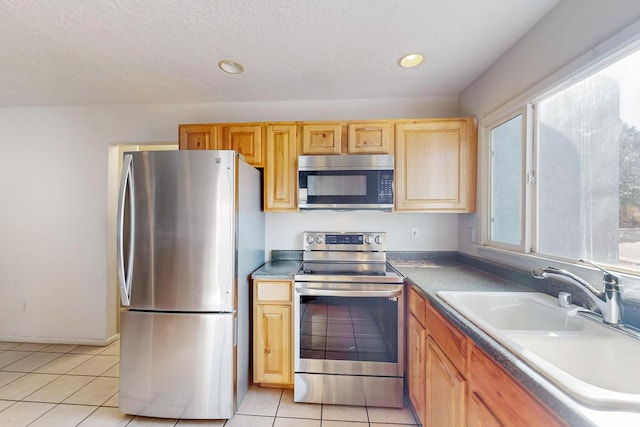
(572, 30)
(53, 221)
(436, 232)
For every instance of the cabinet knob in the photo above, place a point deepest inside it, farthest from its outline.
(267, 350)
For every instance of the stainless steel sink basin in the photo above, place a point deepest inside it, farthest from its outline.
(589, 361)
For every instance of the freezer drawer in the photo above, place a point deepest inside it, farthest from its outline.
(177, 365)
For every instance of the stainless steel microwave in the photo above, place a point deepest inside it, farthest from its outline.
(363, 181)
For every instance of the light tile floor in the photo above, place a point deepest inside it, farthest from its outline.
(68, 385)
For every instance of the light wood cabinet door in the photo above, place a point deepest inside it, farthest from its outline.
(246, 139)
(435, 165)
(503, 396)
(272, 340)
(197, 137)
(479, 415)
(322, 138)
(449, 338)
(281, 168)
(416, 363)
(463, 386)
(369, 138)
(446, 390)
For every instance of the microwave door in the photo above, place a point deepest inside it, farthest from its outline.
(342, 189)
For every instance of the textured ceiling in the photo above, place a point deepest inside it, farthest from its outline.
(166, 51)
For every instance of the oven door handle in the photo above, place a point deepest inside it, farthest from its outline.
(349, 293)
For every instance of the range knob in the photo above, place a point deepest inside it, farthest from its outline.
(320, 239)
(368, 240)
(310, 239)
(379, 239)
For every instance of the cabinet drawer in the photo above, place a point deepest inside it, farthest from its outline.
(417, 304)
(273, 291)
(449, 338)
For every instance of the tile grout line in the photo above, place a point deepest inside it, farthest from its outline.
(275, 418)
(57, 376)
(94, 377)
(17, 360)
(55, 406)
(366, 422)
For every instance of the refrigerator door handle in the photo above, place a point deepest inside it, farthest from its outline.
(124, 277)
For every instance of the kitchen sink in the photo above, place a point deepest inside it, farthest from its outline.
(515, 310)
(591, 362)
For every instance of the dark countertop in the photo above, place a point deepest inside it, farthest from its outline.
(458, 277)
(276, 270)
(430, 275)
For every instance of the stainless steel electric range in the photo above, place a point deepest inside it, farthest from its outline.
(349, 311)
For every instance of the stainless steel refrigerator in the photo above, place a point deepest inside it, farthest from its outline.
(190, 232)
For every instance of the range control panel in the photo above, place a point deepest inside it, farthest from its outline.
(344, 241)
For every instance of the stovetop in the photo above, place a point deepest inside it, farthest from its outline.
(387, 275)
(354, 257)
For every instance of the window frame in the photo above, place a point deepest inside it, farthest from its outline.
(526, 192)
(606, 53)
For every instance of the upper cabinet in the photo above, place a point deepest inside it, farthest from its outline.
(322, 138)
(369, 137)
(245, 138)
(435, 159)
(197, 137)
(281, 168)
(435, 165)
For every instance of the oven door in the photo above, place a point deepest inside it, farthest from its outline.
(349, 329)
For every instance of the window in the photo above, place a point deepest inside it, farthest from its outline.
(505, 192)
(589, 168)
(587, 172)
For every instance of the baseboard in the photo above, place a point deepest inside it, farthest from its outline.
(50, 340)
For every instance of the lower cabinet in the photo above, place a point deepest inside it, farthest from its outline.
(452, 382)
(479, 414)
(501, 398)
(446, 389)
(416, 362)
(272, 333)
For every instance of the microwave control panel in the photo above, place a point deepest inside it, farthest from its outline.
(385, 189)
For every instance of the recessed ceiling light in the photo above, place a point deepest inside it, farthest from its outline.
(411, 60)
(230, 66)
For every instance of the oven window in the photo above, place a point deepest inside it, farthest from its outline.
(349, 328)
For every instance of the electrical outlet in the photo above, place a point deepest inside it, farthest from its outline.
(414, 233)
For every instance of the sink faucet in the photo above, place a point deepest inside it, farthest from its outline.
(608, 300)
